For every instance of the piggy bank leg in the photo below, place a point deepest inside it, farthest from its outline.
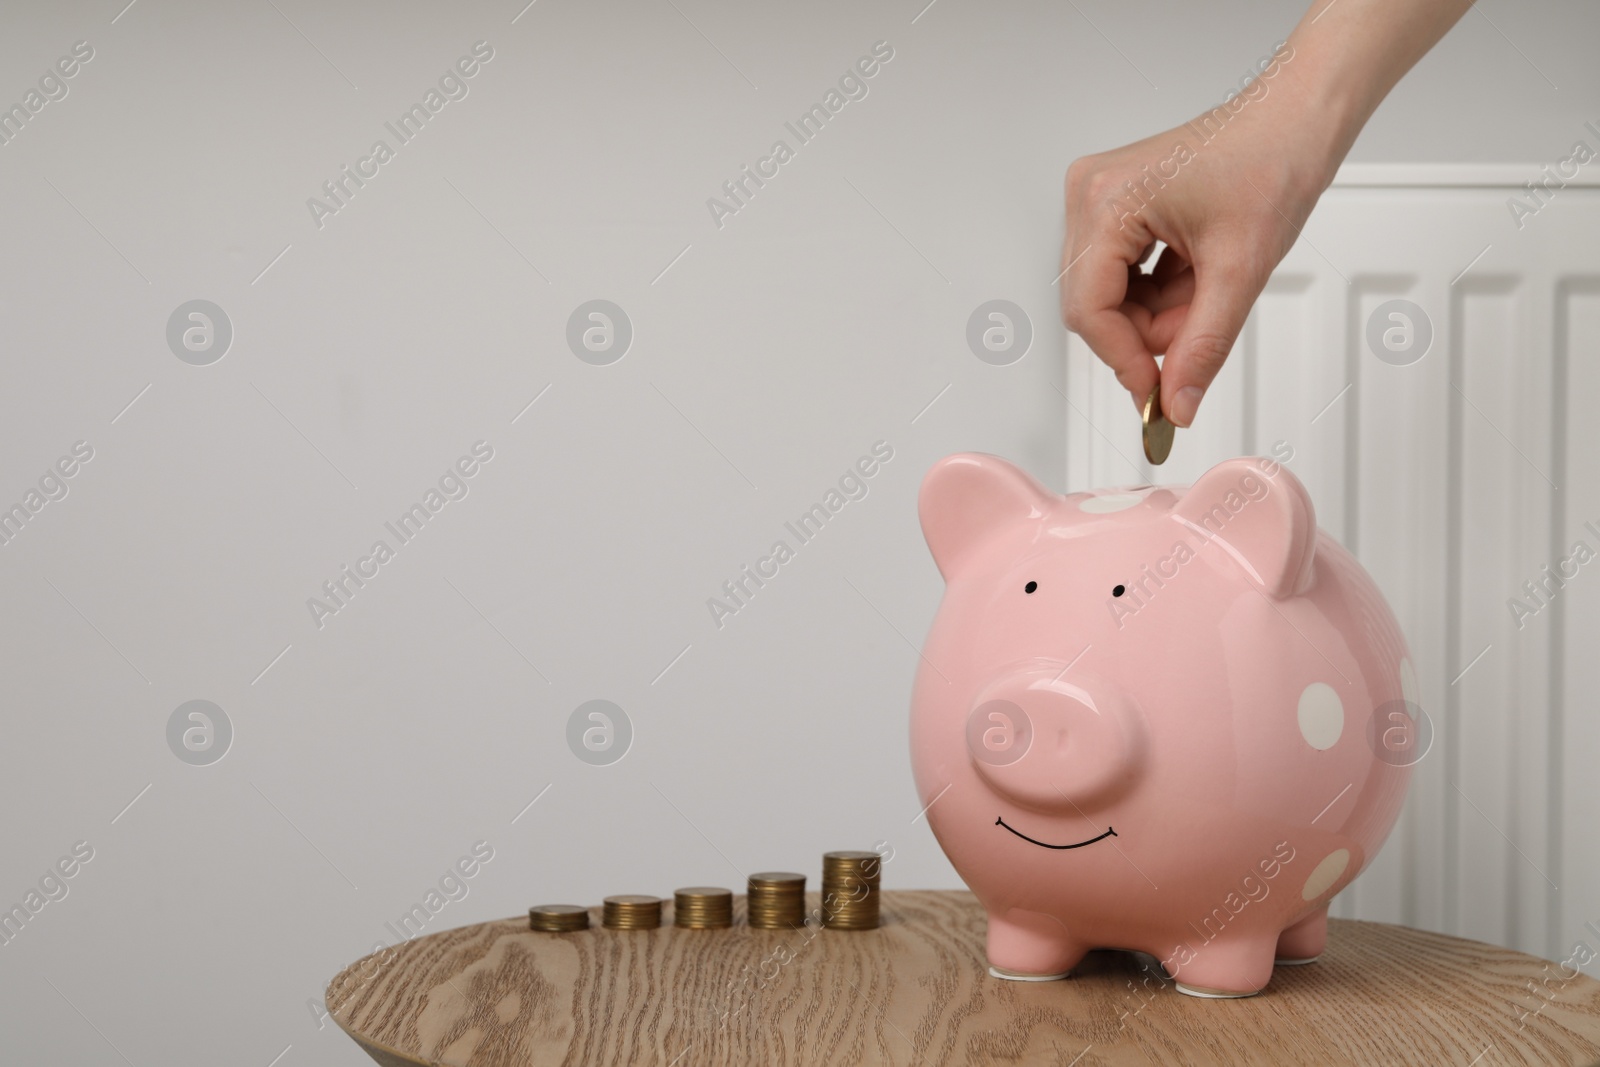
(1235, 964)
(1304, 941)
(1029, 946)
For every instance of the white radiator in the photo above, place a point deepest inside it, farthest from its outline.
(1456, 479)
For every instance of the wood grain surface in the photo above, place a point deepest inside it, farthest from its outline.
(917, 991)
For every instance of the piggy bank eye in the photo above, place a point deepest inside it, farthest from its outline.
(1118, 590)
(1030, 587)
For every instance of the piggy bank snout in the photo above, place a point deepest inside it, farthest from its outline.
(1053, 745)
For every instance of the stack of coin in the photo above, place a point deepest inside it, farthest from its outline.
(850, 890)
(631, 912)
(702, 907)
(777, 900)
(558, 918)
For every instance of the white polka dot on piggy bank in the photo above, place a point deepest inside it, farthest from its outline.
(1321, 715)
(1324, 874)
(1149, 717)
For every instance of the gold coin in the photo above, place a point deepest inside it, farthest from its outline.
(850, 890)
(631, 912)
(779, 880)
(851, 866)
(848, 912)
(702, 907)
(558, 918)
(775, 900)
(1157, 429)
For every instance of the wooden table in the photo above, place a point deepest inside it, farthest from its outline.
(917, 991)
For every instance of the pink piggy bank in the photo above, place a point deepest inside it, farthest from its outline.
(1171, 720)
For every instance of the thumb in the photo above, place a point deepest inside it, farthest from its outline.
(1222, 301)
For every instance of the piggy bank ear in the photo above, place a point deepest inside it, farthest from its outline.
(1261, 515)
(967, 498)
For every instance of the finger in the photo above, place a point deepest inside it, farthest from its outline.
(1223, 296)
(1158, 331)
(1157, 298)
(1169, 265)
(1094, 294)
(1157, 311)
(1142, 291)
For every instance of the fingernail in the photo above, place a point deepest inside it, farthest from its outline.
(1185, 404)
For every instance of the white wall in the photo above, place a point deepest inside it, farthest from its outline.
(370, 754)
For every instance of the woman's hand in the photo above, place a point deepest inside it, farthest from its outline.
(1227, 194)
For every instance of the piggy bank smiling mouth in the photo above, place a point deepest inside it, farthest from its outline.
(1109, 833)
